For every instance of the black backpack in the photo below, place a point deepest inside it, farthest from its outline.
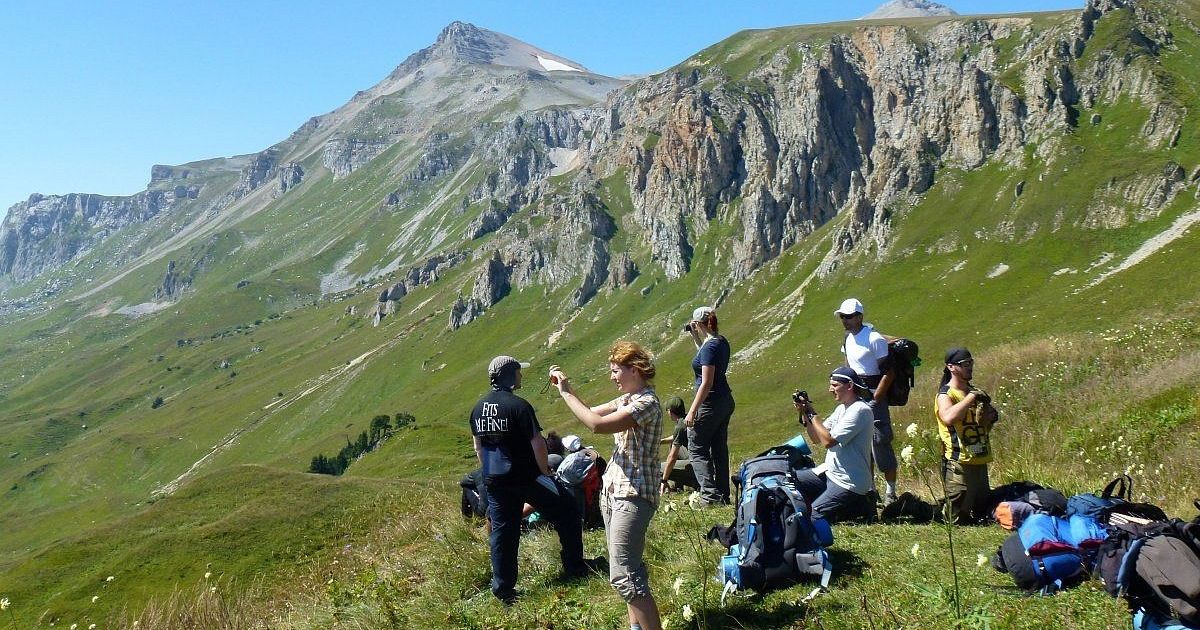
(903, 354)
(474, 495)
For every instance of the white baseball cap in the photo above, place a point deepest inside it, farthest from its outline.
(849, 306)
(701, 312)
(572, 443)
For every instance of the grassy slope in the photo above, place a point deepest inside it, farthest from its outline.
(108, 470)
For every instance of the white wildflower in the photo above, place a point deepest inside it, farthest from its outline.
(212, 589)
(906, 454)
(916, 549)
(74, 626)
(110, 578)
(687, 612)
(94, 598)
(678, 584)
(980, 560)
(911, 430)
(4, 603)
(207, 574)
(92, 626)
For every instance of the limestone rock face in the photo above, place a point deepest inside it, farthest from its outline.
(624, 271)
(343, 155)
(290, 176)
(173, 284)
(853, 126)
(45, 232)
(491, 285)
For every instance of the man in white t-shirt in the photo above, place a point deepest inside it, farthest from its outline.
(841, 491)
(867, 354)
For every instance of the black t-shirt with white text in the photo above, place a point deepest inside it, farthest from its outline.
(504, 424)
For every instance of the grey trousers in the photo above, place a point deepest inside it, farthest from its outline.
(708, 447)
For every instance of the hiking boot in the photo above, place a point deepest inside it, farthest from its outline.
(594, 566)
(509, 598)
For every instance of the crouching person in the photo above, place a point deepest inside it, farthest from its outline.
(838, 490)
(965, 418)
(512, 452)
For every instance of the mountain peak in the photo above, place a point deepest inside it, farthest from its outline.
(467, 43)
(908, 8)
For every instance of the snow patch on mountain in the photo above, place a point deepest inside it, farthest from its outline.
(550, 64)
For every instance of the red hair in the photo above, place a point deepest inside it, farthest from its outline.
(632, 355)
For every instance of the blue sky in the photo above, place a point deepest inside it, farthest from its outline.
(94, 93)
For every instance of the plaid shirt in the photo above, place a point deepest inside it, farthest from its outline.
(634, 469)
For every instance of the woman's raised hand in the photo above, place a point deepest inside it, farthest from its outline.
(558, 378)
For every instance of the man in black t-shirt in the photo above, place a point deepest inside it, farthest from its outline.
(512, 453)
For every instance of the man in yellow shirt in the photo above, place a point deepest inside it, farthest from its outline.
(965, 418)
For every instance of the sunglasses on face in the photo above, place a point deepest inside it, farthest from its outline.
(850, 316)
(968, 363)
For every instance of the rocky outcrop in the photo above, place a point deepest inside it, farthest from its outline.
(173, 284)
(520, 150)
(491, 284)
(813, 132)
(424, 274)
(290, 176)
(343, 155)
(624, 271)
(43, 232)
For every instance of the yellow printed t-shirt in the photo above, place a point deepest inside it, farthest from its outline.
(967, 441)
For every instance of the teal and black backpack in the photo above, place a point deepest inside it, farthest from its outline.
(778, 541)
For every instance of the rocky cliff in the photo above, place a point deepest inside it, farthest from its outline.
(773, 133)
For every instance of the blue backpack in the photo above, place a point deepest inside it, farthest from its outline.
(1119, 490)
(1048, 553)
(778, 541)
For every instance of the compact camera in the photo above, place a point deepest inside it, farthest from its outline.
(799, 396)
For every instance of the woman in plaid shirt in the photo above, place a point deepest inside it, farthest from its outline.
(630, 487)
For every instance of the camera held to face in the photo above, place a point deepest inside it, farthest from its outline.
(800, 397)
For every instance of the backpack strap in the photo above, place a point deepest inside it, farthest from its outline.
(826, 576)
(1119, 488)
